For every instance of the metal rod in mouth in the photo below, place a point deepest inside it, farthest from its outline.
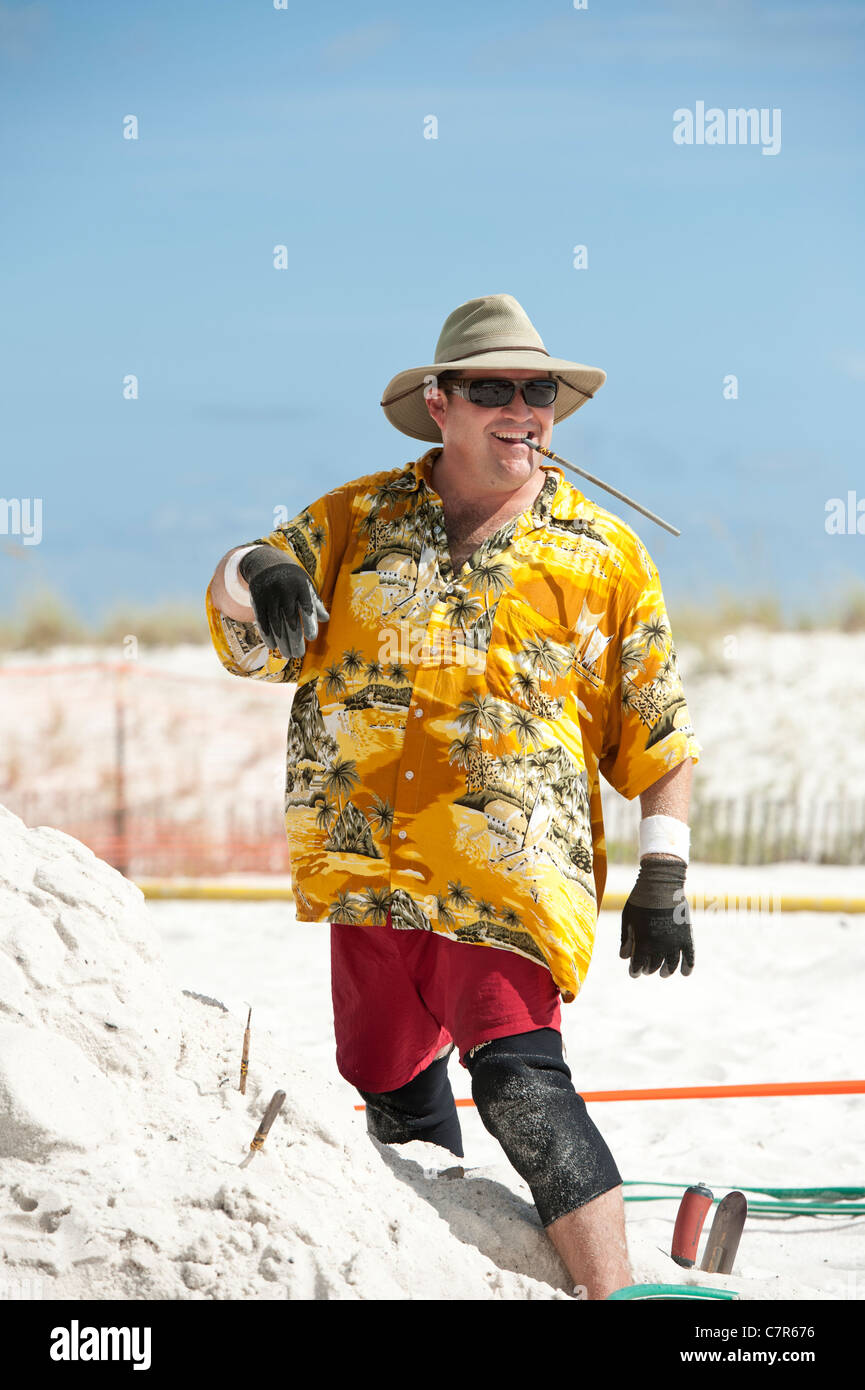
(548, 453)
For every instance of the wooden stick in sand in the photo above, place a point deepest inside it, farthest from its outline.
(244, 1061)
(270, 1114)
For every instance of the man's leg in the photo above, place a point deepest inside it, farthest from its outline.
(423, 1109)
(592, 1246)
(522, 1088)
(385, 1033)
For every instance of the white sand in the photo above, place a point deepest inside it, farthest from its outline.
(122, 1129)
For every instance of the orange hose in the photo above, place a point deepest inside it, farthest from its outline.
(760, 1088)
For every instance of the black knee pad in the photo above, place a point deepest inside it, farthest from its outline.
(423, 1109)
(524, 1095)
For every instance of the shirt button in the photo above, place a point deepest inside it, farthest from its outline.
(409, 775)
(418, 713)
(402, 834)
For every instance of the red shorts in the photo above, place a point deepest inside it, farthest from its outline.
(399, 997)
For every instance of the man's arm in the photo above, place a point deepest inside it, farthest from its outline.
(669, 796)
(656, 922)
(282, 601)
(229, 606)
(245, 636)
(244, 587)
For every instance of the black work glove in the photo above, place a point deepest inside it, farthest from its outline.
(282, 597)
(656, 920)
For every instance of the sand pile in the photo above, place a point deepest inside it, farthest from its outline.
(122, 1130)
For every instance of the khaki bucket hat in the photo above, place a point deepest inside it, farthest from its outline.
(494, 332)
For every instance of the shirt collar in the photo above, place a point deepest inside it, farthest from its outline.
(423, 468)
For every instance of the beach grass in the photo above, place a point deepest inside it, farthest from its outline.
(48, 620)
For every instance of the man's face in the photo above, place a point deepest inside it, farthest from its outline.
(474, 433)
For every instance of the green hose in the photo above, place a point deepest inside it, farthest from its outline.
(670, 1291)
(802, 1201)
(827, 1193)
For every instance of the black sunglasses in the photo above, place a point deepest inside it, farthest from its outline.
(495, 391)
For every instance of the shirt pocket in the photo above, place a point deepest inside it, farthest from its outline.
(530, 658)
(532, 664)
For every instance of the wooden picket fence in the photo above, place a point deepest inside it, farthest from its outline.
(755, 829)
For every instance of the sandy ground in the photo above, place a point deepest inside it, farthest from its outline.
(773, 998)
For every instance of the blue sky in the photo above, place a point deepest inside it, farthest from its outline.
(304, 126)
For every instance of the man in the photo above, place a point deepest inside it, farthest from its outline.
(474, 641)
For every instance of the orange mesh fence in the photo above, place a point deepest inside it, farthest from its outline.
(159, 772)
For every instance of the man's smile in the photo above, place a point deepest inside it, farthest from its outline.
(513, 437)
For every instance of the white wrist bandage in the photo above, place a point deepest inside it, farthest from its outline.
(231, 579)
(664, 835)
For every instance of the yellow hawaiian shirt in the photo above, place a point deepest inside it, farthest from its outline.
(448, 730)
